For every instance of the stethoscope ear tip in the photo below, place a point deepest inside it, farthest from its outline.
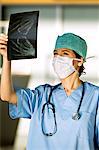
(76, 116)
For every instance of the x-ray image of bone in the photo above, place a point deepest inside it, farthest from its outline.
(22, 43)
(22, 35)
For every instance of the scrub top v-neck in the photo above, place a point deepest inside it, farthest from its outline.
(82, 134)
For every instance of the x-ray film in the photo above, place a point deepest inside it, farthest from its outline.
(22, 35)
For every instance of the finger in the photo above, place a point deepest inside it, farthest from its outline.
(3, 42)
(3, 47)
(3, 38)
(2, 51)
(3, 35)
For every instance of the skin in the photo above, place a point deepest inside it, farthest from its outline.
(72, 82)
(7, 92)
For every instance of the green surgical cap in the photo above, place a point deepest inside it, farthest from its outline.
(72, 42)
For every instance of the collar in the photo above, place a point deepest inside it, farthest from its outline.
(76, 94)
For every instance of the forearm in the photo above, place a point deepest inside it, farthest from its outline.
(7, 92)
(6, 81)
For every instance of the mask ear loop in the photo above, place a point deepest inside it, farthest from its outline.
(84, 60)
(90, 57)
(77, 60)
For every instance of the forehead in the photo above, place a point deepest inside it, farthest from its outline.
(64, 50)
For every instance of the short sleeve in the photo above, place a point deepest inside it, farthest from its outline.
(27, 101)
(97, 127)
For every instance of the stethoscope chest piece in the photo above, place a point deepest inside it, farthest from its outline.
(76, 116)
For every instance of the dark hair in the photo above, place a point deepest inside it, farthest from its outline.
(81, 70)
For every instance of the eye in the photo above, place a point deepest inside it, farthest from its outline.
(65, 53)
(55, 53)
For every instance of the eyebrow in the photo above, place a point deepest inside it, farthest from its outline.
(55, 51)
(63, 50)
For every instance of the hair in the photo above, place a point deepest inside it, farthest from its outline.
(82, 68)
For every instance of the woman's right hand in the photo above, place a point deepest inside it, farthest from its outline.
(3, 45)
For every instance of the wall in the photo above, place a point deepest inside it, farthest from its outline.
(84, 21)
(54, 20)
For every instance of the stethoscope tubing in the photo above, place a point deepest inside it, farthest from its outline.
(75, 116)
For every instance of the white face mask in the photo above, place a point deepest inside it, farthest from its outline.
(63, 66)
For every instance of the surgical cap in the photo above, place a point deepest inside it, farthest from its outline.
(72, 42)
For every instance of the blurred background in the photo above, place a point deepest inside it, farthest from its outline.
(54, 20)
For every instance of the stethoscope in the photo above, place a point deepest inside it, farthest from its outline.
(51, 106)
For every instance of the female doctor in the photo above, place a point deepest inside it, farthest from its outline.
(63, 116)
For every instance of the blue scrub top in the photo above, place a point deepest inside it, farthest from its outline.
(82, 134)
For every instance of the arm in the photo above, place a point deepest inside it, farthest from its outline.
(6, 89)
(97, 125)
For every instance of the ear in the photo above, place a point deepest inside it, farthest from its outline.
(80, 62)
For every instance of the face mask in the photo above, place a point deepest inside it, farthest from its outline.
(63, 66)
